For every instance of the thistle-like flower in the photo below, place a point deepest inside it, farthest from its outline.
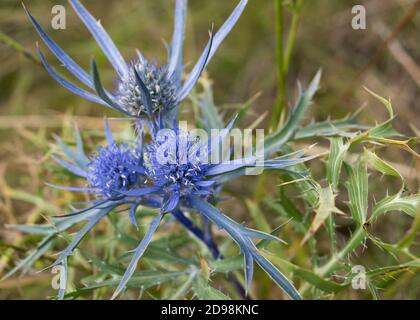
(110, 170)
(161, 88)
(179, 168)
(143, 88)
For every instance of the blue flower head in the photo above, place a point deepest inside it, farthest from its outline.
(162, 89)
(178, 164)
(144, 89)
(110, 171)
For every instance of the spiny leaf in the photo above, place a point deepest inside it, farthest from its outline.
(92, 222)
(326, 208)
(141, 279)
(25, 264)
(278, 138)
(138, 252)
(307, 275)
(329, 128)
(357, 188)
(204, 291)
(338, 150)
(385, 102)
(409, 205)
(248, 248)
(4, 38)
(377, 163)
(209, 111)
(258, 216)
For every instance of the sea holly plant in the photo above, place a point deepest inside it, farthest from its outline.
(157, 188)
(144, 89)
(173, 175)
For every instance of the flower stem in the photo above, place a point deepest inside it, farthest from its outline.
(284, 54)
(281, 89)
(211, 245)
(291, 37)
(4, 38)
(187, 223)
(356, 240)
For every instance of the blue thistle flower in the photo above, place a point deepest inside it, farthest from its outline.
(144, 89)
(113, 170)
(110, 170)
(174, 171)
(162, 89)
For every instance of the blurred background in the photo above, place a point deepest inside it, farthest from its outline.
(33, 106)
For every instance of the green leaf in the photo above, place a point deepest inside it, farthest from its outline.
(227, 264)
(330, 128)
(380, 165)
(307, 275)
(357, 188)
(386, 271)
(142, 280)
(210, 114)
(409, 205)
(325, 209)
(338, 150)
(204, 291)
(4, 38)
(258, 216)
(380, 132)
(385, 102)
(25, 264)
(104, 266)
(43, 229)
(165, 255)
(277, 139)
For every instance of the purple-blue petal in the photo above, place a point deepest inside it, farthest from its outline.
(218, 39)
(61, 55)
(196, 72)
(74, 189)
(73, 169)
(170, 202)
(68, 85)
(138, 192)
(175, 61)
(102, 38)
(108, 133)
(138, 252)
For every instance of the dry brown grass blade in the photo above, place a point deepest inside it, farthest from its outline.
(400, 55)
(380, 51)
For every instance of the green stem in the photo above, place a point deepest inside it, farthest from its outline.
(356, 240)
(411, 234)
(4, 38)
(280, 68)
(284, 56)
(291, 37)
